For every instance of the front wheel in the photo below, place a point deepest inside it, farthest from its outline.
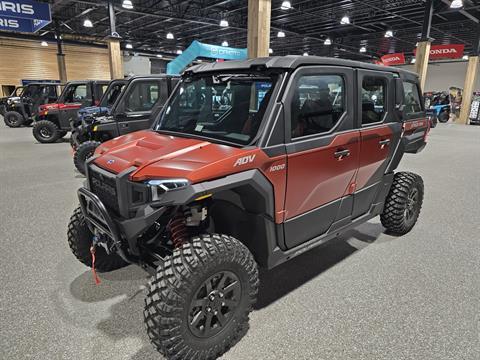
(403, 203)
(444, 116)
(83, 153)
(80, 239)
(46, 131)
(13, 119)
(200, 298)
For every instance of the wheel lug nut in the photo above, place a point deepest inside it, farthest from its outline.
(223, 304)
(212, 297)
(215, 312)
(209, 309)
(221, 295)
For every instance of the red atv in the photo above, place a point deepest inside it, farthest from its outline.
(54, 120)
(249, 164)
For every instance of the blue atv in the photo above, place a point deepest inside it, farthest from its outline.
(437, 105)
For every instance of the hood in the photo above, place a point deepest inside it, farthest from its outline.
(163, 156)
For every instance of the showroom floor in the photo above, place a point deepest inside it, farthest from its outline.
(372, 296)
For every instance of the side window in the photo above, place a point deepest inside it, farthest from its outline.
(142, 96)
(374, 95)
(411, 99)
(76, 93)
(317, 105)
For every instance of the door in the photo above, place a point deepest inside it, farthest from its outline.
(140, 99)
(322, 151)
(380, 132)
(75, 96)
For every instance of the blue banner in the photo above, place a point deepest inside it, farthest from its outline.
(198, 49)
(24, 15)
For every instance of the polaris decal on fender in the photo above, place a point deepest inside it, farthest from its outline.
(244, 160)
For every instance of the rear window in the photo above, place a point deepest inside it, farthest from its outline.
(411, 100)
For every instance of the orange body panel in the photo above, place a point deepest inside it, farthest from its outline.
(316, 177)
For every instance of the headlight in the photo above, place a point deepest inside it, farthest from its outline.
(161, 186)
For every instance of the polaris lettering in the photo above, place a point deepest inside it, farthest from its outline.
(14, 8)
(9, 23)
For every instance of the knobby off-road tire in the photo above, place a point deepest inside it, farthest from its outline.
(80, 240)
(403, 203)
(443, 117)
(13, 119)
(198, 302)
(84, 151)
(46, 132)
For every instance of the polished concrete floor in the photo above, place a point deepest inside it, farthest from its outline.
(366, 296)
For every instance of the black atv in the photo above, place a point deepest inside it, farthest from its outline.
(4, 100)
(139, 102)
(21, 109)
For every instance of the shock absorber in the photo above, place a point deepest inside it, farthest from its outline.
(178, 229)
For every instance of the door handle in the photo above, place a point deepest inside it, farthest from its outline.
(384, 143)
(340, 154)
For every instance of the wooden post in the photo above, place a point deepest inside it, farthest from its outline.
(115, 57)
(258, 40)
(468, 88)
(421, 62)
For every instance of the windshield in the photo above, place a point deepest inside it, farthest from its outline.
(225, 107)
(111, 95)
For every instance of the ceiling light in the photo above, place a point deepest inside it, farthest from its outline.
(413, 61)
(225, 43)
(389, 33)
(44, 43)
(363, 49)
(127, 4)
(270, 51)
(465, 57)
(327, 41)
(286, 5)
(179, 52)
(456, 4)
(170, 36)
(280, 34)
(159, 55)
(305, 53)
(129, 46)
(345, 20)
(223, 23)
(87, 23)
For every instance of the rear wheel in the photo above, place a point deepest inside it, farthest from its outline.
(80, 239)
(83, 153)
(198, 302)
(46, 131)
(403, 203)
(443, 116)
(13, 119)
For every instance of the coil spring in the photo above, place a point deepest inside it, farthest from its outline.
(178, 230)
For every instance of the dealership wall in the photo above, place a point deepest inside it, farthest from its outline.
(25, 59)
(442, 75)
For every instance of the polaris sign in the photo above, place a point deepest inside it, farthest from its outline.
(24, 15)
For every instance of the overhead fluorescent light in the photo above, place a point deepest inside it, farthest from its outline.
(127, 4)
(345, 20)
(286, 5)
(159, 55)
(389, 33)
(225, 43)
(129, 46)
(179, 52)
(170, 36)
(363, 49)
(44, 43)
(87, 23)
(327, 41)
(281, 34)
(413, 61)
(456, 4)
(223, 23)
(465, 57)
(305, 53)
(270, 51)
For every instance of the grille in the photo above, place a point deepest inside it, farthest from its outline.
(105, 188)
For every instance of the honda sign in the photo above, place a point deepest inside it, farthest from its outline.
(451, 51)
(393, 59)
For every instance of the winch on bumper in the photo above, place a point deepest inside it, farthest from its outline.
(118, 208)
